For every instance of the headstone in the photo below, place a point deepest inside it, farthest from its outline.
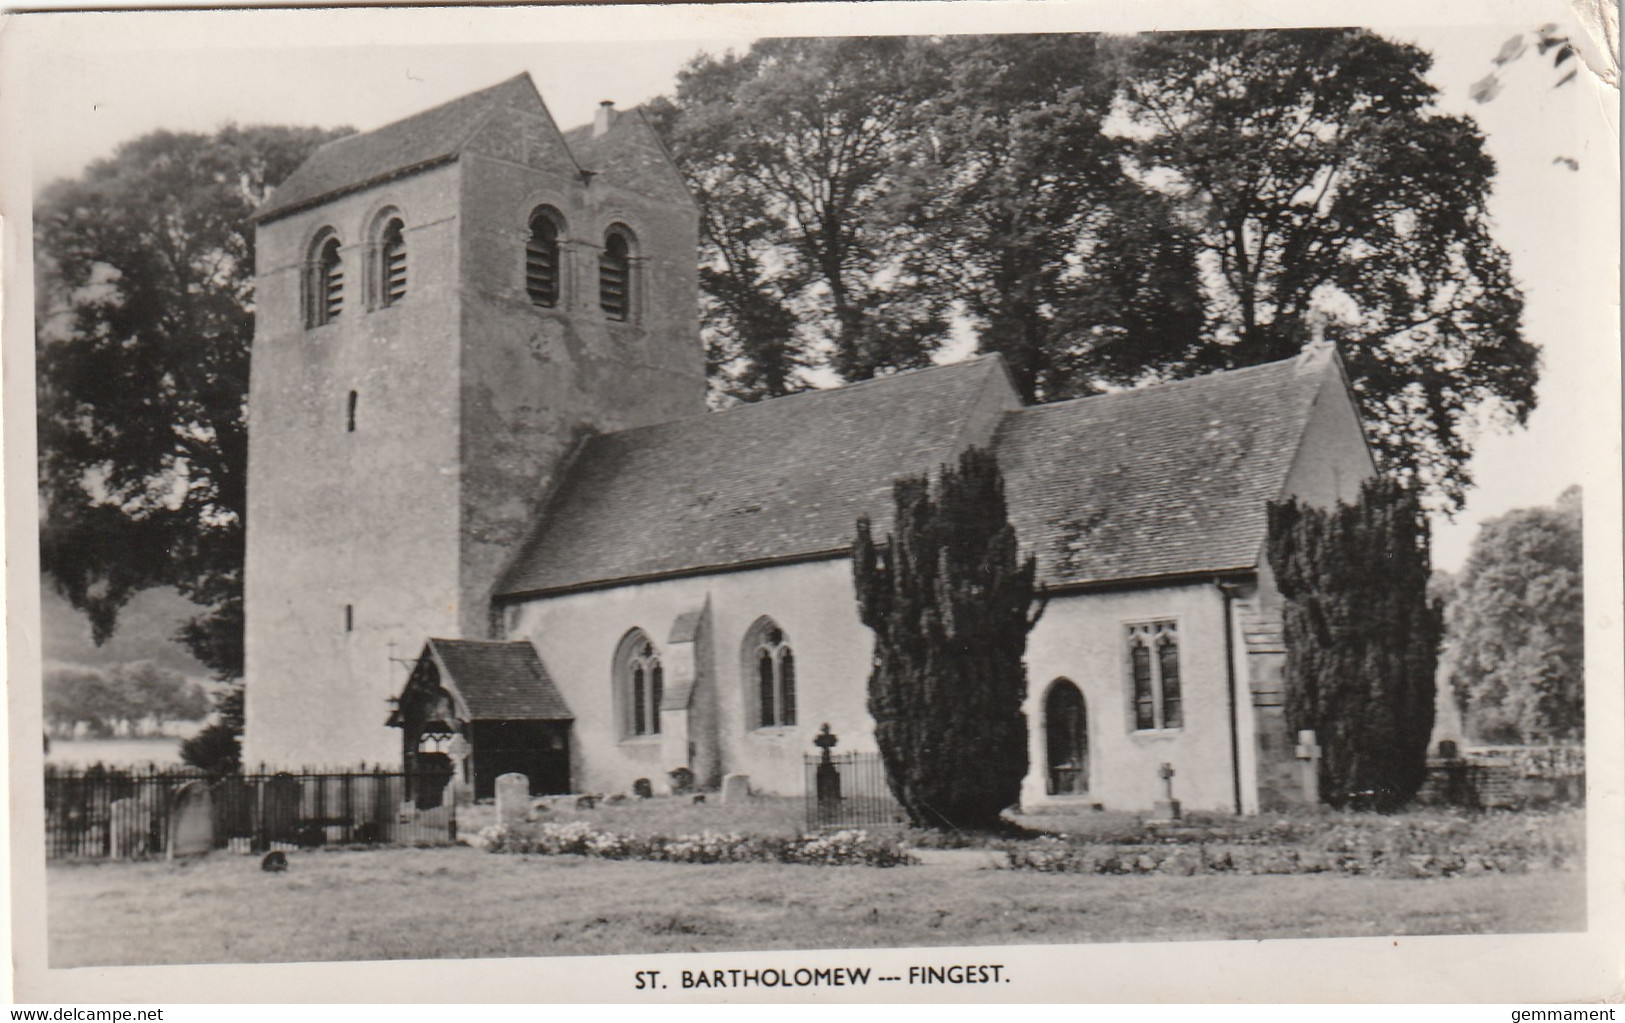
(1448, 749)
(127, 829)
(735, 788)
(1308, 754)
(191, 820)
(682, 780)
(513, 798)
(614, 798)
(1166, 808)
(642, 789)
(586, 802)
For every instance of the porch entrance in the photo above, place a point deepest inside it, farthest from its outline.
(1066, 734)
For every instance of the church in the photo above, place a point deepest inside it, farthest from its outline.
(492, 524)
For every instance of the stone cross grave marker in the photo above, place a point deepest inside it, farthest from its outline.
(826, 779)
(1308, 754)
(191, 821)
(1166, 808)
(513, 798)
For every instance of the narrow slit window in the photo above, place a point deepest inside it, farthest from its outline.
(349, 415)
(349, 618)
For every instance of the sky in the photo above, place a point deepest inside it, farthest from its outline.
(83, 83)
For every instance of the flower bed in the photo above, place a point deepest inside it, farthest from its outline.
(580, 838)
(1397, 846)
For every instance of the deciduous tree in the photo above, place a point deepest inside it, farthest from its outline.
(1515, 627)
(146, 314)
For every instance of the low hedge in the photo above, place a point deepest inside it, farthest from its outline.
(579, 838)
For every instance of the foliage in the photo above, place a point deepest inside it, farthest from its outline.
(950, 603)
(1018, 207)
(1104, 211)
(1406, 845)
(218, 748)
(1320, 185)
(579, 838)
(1362, 638)
(146, 301)
(122, 694)
(788, 148)
(1515, 627)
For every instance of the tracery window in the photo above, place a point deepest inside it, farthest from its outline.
(640, 679)
(543, 269)
(771, 667)
(1157, 700)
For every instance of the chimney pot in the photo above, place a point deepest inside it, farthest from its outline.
(604, 118)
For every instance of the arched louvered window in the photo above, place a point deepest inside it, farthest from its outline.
(640, 683)
(392, 262)
(1154, 677)
(543, 269)
(615, 274)
(324, 281)
(771, 665)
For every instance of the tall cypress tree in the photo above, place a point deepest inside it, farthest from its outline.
(950, 602)
(1362, 639)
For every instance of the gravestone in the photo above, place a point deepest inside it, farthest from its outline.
(682, 780)
(513, 798)
(1166, 808)
(735, 788)
(1308, 754)
(1448, 749)
(827, 780)
(127, 829)
(191, 820)
(642, 789)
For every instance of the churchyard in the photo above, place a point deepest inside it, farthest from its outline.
(1098, 877)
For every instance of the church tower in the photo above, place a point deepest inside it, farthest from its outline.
(445, 308)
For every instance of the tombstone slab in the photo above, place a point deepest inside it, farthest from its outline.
(191, 821)
(513, 798)
(735, 788)
(127, 829)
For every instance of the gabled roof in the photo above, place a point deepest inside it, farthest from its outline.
(1171, 479)
(630, 154)
(781, 479)
(436, 135)
(498, 681)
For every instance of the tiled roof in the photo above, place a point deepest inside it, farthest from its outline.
(1163, 480)
(430, 137)
(782, 478)
(500, 681)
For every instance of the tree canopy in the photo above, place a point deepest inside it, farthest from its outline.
(123, 694)
(1515, 627)
(1106, 211)
(145, 319)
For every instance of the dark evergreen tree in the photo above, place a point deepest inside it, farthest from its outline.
(218, 747)
(1362, 639)
(950, 602)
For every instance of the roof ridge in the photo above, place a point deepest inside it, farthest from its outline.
(439, 106)
(1161, 385)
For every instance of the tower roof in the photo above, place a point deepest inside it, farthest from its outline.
(415, 143)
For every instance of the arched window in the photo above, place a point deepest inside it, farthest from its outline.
(615, 274)
(640, 681)
(1154, 679)
(324, 280)
(392, 262)
(770, 667)
(1066, 739)
(543, 268)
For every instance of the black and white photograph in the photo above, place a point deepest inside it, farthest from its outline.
(845, 502)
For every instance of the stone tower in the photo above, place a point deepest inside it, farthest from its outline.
(445, 308)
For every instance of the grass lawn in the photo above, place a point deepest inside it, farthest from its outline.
(459, 902)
